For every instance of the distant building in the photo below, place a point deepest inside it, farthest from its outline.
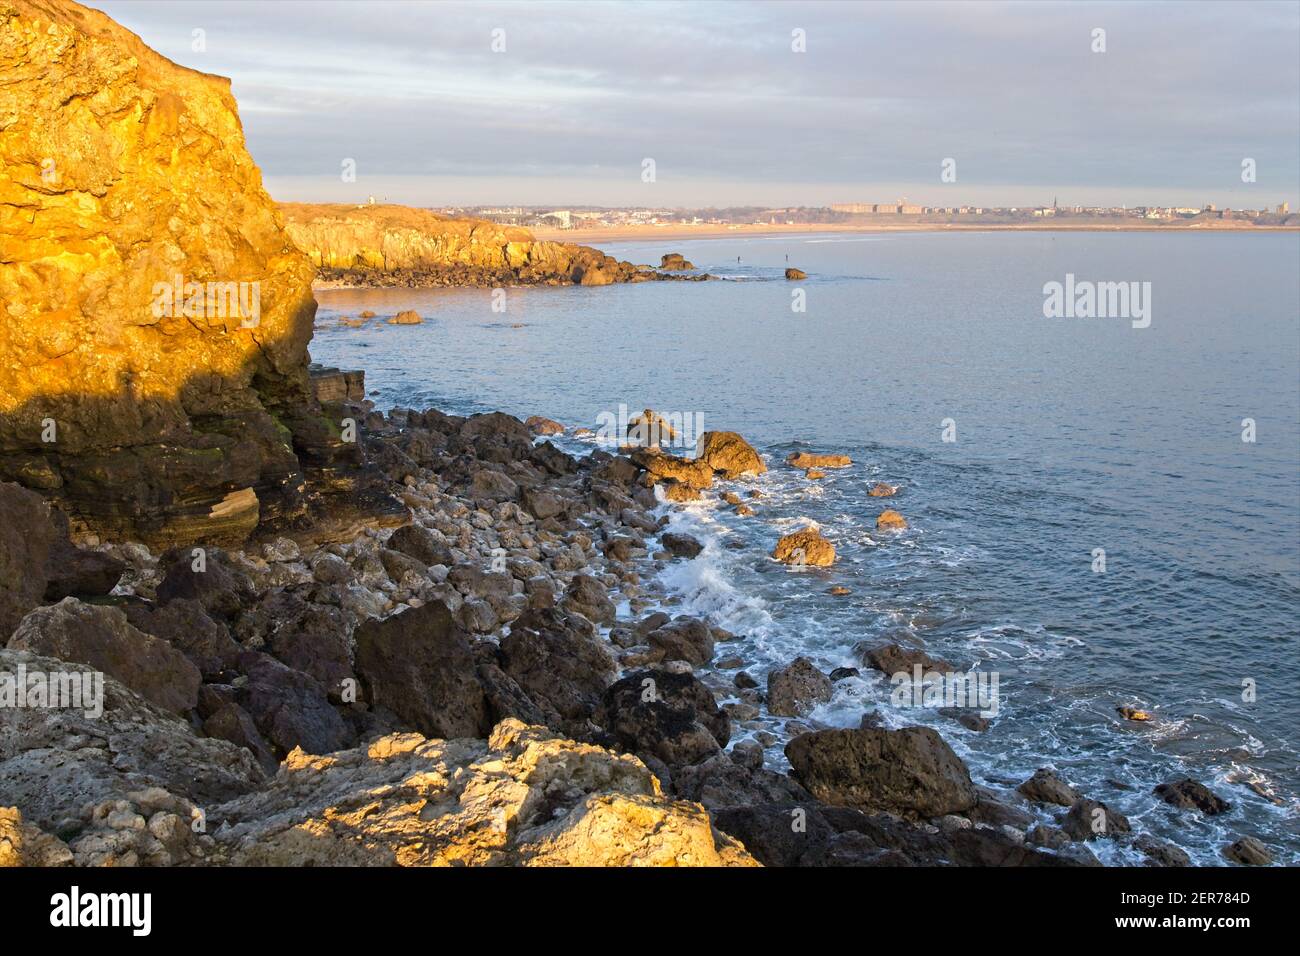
(1283, 208)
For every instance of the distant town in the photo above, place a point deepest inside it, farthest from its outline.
(898, 213)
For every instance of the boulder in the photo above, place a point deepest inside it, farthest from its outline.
(684, 639)
(1045, 786)
(406, 317)
(102, 637)
(671, 716)
(660, 467)
(419, 665)
(291, 709)
(560, 663)
(1092, 820)
(24, 844)
(681, 545)
(1188, 794)
(795, 274)
(543, 426)
(795, 689)
(882, 490)
(675, 262)
(587, 596)
(184, 625)
(1248, 852)
(912, 771)
(27, 538)
(729, 455)
(895, 658)
(805, 547)
(890, 520)
(422, 544)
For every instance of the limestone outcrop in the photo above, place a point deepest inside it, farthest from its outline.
(154, 315)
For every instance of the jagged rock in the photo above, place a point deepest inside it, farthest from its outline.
(56, 761)
(1045, 786)
(730, 455)
(290, 708)
(560, 663)
(419, 665)
(1160, 853)
(223, 589)
(675, 262)
(795, 689)
(805, 547)
(166, 338)
(910, 771)
(103, 638)
(1187, 794)
(184, 625)
(27, 537)
(882, 490)
(660, 467)
(524, 797)
(670, 716)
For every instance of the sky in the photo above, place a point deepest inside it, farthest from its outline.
(577, 95)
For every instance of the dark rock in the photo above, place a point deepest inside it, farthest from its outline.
(894, 659)
(421, 544)
(910, 771)
(843, 673)
(103, 638)
(588, 597)
(27, 537)
(419, 665)
(968, 717)
(184, 625)
(560, 663)
(1187, 794)
(669, 715)
(681, 545)
(684, 639)
(207, 577)
(290, 708)
(793, 690)
(1093, 820)
(1249, 852)
(1046, 787)
(1160, 853)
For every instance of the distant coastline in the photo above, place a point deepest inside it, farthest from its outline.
(677, 231)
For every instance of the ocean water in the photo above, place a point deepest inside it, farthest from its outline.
(1070, 435)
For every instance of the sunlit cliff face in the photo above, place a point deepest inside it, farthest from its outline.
(122, 173)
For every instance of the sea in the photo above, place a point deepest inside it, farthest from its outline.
(1103, 502)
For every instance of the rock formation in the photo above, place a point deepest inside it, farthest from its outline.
(155, 314)
(397, 245)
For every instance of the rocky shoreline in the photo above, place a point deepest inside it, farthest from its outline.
(473, 665)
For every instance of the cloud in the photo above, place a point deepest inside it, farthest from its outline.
(714, 93)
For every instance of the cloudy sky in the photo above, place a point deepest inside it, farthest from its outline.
(584, 92)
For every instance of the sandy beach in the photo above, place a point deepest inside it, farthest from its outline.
(678, 231)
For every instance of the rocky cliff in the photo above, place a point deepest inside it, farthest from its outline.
(398, 245)
(155, 314)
